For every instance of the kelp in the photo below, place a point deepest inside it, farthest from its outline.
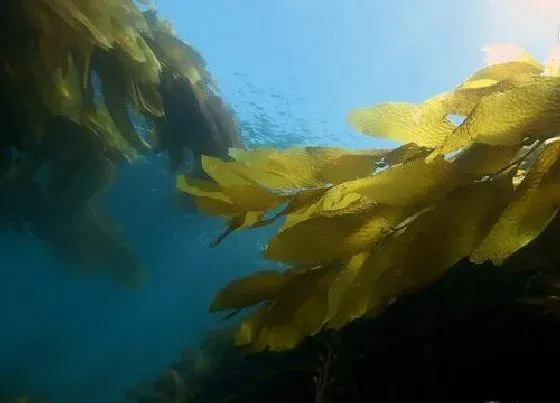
(444, 343)
(75, 77)
(364, 228)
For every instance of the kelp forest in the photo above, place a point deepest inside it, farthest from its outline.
(428, 272)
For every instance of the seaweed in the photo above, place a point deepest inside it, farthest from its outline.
(466, 338)
(362, 229)
(76, 78)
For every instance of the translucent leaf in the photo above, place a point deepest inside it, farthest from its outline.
(306, 167)
(490, 75)
(535, 205)
(333, 236)
(296, 312)
(251, 290)
(500, 53)
(552, 62)
(411, 183)
(508, 117)
(403, 122)
(244, 220)
(405, 153)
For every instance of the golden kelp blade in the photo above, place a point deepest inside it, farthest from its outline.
(250, 290)
(535, 205)
(244, 206)
(250, 219)
(504, 62)
(418, 254)
(375, 238)
(402, 122)
(297, 311)
(508, 117)
(552, 63)
(413, 183)
(294, 168)
(324, 238)
(500, 53)
(491, 75)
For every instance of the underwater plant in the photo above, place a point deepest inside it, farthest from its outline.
(364, 228)
(76, 77)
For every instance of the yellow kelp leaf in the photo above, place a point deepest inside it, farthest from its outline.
(253, 197)
(297, 311)
(508, 117)
(500, 53)
(535, 205)
(414, 182)
(490, 75)
(250, 326)
(77, 16)
(403, 122)
(306, 166)
(297, 206)
(250, 290)
(342, 286)
(209, 196)
(244, 205)
(339, 235)
(405, 153)
(64, 95)
(552, 62)
(227, 174)
(245, 220)
(434, 241)
(483, 159)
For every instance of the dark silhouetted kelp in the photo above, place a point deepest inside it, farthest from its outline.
(74, 78)
(467, 338)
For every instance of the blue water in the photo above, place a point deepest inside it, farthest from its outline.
(291, 69)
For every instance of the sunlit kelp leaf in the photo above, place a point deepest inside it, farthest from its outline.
(250, 219)
(377, 237)
(338, 235)
(482, 159)
(251, 290)
(244, 206)
(416, 182)
(346, 300)
(491, 75)
(508, 117)
(535, 205)
(297, 310)
(500, 53)
(552, 62)
(203, 188)
(403, 122)
(305, 167)
(404, 154)
(503, 62)
(419, 253)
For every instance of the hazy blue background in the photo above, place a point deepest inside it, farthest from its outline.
(292, 69)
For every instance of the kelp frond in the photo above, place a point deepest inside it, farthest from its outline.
(363, 228)
(74, 78)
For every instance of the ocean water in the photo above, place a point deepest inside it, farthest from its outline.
(291, 69)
